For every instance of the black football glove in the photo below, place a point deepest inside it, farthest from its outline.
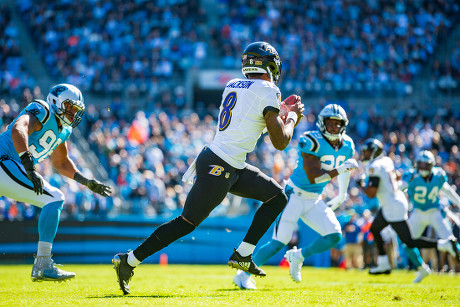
(99, 188)
(34, 177)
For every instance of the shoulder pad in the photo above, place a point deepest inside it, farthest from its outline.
(40, 109)
(440, 172)
(309, 142)
(409, 175)
(348, 142)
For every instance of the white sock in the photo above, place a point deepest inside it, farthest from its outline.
(245, 249)
(132, 260)
(44, 249)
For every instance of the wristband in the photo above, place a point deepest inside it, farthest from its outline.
(323, 178)
(292, 115)
(21, 153)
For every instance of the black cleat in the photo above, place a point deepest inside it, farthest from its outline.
(374, 271)
(124, 271)
(245, 264)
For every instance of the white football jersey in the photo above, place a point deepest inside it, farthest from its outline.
(241, 118)
(391, 198)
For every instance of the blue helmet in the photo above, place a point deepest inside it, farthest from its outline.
(333, 111)
(424, 162)
(66, 101)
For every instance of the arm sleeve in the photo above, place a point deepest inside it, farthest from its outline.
(451, 194)
(343, 180)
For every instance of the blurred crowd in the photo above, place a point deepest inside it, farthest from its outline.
(363, 46)
(446, 75)
(139, 48)
(14, 77)
(146, 153)
(113, 47)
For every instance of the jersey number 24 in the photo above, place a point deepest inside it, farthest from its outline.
(420, 194)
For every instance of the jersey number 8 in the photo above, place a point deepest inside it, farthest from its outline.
(225, 115)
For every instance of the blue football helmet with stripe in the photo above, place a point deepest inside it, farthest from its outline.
(333, 111)
(424, 163)
(67, 103)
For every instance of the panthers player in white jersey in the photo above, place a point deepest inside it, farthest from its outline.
(39, 131)
(249, 106)
(423, 188)
(381, 181)
(323, 154)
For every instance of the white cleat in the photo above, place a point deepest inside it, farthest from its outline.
(44, 269)
(423, 271)
(295, 259)
(244, 281)
(383, 266)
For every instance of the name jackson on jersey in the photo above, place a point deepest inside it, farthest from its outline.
(241, 118)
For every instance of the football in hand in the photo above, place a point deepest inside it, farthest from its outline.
(289, 101)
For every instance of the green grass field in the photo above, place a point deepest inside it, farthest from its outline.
(193, 285)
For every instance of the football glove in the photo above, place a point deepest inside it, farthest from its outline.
(99, 188)
(36, 179)
(347, 166)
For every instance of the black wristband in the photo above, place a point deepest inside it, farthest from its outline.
(28, 161)
(78, 177)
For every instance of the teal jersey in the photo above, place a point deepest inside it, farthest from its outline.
(314, 143)
(424, 195)
(41, 142)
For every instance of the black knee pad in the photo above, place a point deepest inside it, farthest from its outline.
(276, 204)
(174, 229)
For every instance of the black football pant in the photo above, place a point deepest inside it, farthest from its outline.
(402, 230)
(215, 178)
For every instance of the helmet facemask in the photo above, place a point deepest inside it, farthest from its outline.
(370, 150)
(332, 111)
(424, 169)
(70, 113)
(66, 102)
(424, 163)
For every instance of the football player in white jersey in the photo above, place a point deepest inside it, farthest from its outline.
(249, 107)
(39, 131)
(323, 154)
(382, 182)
